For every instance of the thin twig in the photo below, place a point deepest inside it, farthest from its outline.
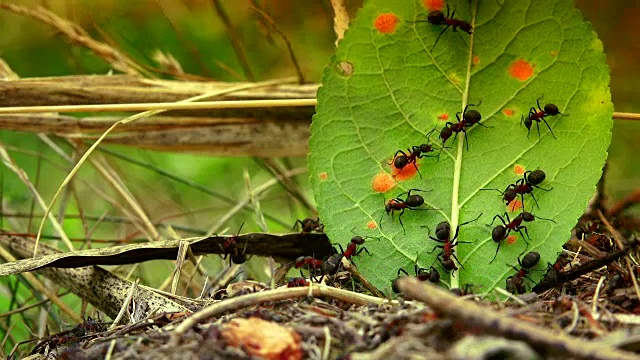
(622, 205)
(243, 301)
(235, 40)
(485, 320)
(626, 116)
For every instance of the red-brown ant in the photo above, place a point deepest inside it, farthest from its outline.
(501, 232)
(540, 114)
(443, 235)
(309, 225)
(515, 283)
(297, 282)
(469, 118)
(231, 250)
(422, 274)
(401, 159)
(310, 262)
(530, 180)
(411, 202)
(437, 17)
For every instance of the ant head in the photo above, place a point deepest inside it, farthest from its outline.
(415, 200)
(528, 122)
(551, 109)
(400, 162)
(472, 116)
(388, 206)
(445, 134)
(509, 195)
(434, 275)
(511, 287)
(527, 216)
(299, 262)
(443, 230)
(358, 240)
(436, 17)
(499, 233)
(530, 260)
(535, 177)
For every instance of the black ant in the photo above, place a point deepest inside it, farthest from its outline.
(443, 235)
(332, 264)
(501, 232)
(397, 204)
(466, 289)
(309, 225)
(469, 118)
(529, 181)
(437, 17)
(297, 282)
(540, 114)
(401, 159)
(422, 274)
(231, 250)
(515, 283)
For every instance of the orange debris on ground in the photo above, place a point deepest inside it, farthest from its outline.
(521, 70)
(383, 182)
(386, 23)
(263, 339)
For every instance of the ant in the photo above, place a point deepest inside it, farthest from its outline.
(397, 204)
(297, 282)
(530, 180)
(515, 283)
(466, 289)
(469, 118)
(230, 247)
(443, 235)
(437, 17)
(309, 261)
(422, 274)
(309, 225)
(401, 159)
(548, 110)
(501, 232)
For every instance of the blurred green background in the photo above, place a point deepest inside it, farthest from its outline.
(191, 31)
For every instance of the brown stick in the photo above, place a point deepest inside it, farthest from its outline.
(488, 321)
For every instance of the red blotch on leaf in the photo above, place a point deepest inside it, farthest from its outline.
(432, 5)
(511, 239)
(405, 173)
(514, 205)
(443, 117)
(372, 225)
(386, 23)
(521, 70)
(518, 169)
(476, 60)
(508, 112)
(323, 176)
(382, 183)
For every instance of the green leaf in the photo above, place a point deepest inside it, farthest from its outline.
(383, 92)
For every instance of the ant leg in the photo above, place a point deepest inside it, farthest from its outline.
(538, 102)
(496, 254)
(400, 219)
(541, 218)
(401, 270)
(470, 221)
(534, 199)
(528, 132)
(454, 256)
(415, 165)
(295, 225)
(360, 250)
(466, 142)
(501, 219)
(435, 247)
(543, 189)
(549, 127)
(538, 127)
(438, 38)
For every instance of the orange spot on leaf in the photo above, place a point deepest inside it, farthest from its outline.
(383, 182)
(386, 23)
(554, 53)
(443, 117)
(372, 225)
(476, 60)
(508, 112)
(514, 205)
(518, 169)
(405, 173)
(521, 69)
(511, 239)
(432, 5)
(323, 176)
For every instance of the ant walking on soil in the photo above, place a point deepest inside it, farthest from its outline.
(515, 283)
(402, 159)
(443, 235)
(529, 181)
(501, 232)
(437, 17)
(411, 202)
(540, 114)
(333, 262)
